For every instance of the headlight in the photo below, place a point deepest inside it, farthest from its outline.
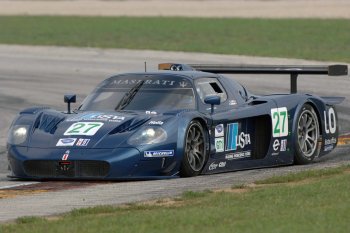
(18, 134)
(148, 135)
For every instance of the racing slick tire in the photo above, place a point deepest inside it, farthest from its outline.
(195, 152)
(307, 135)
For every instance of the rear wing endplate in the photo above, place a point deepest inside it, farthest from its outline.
(293, 71)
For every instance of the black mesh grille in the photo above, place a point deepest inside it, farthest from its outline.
(66, 169)
(92, 168)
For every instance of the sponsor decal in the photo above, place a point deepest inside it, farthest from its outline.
(105, 117)
(276, 145)
(279, 122)
(156, 123)
(66, 155)
(66, 142)
(82, 142)
(329, 147)
(219, 130)
(279, 146)
(238, 155)
(82, 117)
(232, 102)
(151, 112)
(209, 109)
(159, 153)
(220, 144)
(98, 117)
(83, 128)
(235, 140)
(149, 82)
(283, 145)
(330, 122)
(333, 140)
(146, 82)
(329, 144)
(214, 165)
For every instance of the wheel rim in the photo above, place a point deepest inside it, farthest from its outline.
(195, 149)
(307, 133)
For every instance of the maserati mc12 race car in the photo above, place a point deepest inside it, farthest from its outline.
(183, 120)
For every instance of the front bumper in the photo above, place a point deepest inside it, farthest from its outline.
(90, 164)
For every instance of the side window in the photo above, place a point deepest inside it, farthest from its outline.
(210, 86)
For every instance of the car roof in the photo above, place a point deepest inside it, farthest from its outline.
(188, 74)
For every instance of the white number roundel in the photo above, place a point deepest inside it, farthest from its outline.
(83, 128)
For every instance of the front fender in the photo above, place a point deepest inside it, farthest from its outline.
(183, 123)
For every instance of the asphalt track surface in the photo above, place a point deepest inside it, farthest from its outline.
(192, 8)
(42, 75)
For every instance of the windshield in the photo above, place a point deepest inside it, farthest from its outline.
(141, 92)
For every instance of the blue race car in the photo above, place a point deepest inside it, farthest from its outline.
(183, 120)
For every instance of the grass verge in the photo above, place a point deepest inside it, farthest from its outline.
(321, 205)
(292, 38)
(304, 175)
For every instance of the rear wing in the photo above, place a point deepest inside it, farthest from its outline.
(293, 71)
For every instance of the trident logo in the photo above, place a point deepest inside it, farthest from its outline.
(183, 84)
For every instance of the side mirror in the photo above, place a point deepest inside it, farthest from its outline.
(212, 100)
(71, 98)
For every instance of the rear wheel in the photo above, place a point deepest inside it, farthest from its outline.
(307, 135)
(195, 154)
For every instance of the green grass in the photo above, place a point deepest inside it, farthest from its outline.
(321, 205)
(293, 38)
(300, 176)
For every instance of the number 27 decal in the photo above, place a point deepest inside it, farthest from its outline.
(279, 122)
(84, 128)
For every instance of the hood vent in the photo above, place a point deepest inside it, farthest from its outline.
(48, 122)
(257, 102)
(130, 125)
(33, 110)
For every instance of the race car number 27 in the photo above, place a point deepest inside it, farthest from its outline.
(83, 128)
(279, 122)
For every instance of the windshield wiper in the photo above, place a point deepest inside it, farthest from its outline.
(129, 96)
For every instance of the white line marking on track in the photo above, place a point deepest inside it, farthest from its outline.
(17, 185)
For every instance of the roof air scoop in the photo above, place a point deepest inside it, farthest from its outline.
(174, 67)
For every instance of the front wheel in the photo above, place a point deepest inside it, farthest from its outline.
(307, 135)
(195, 153)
